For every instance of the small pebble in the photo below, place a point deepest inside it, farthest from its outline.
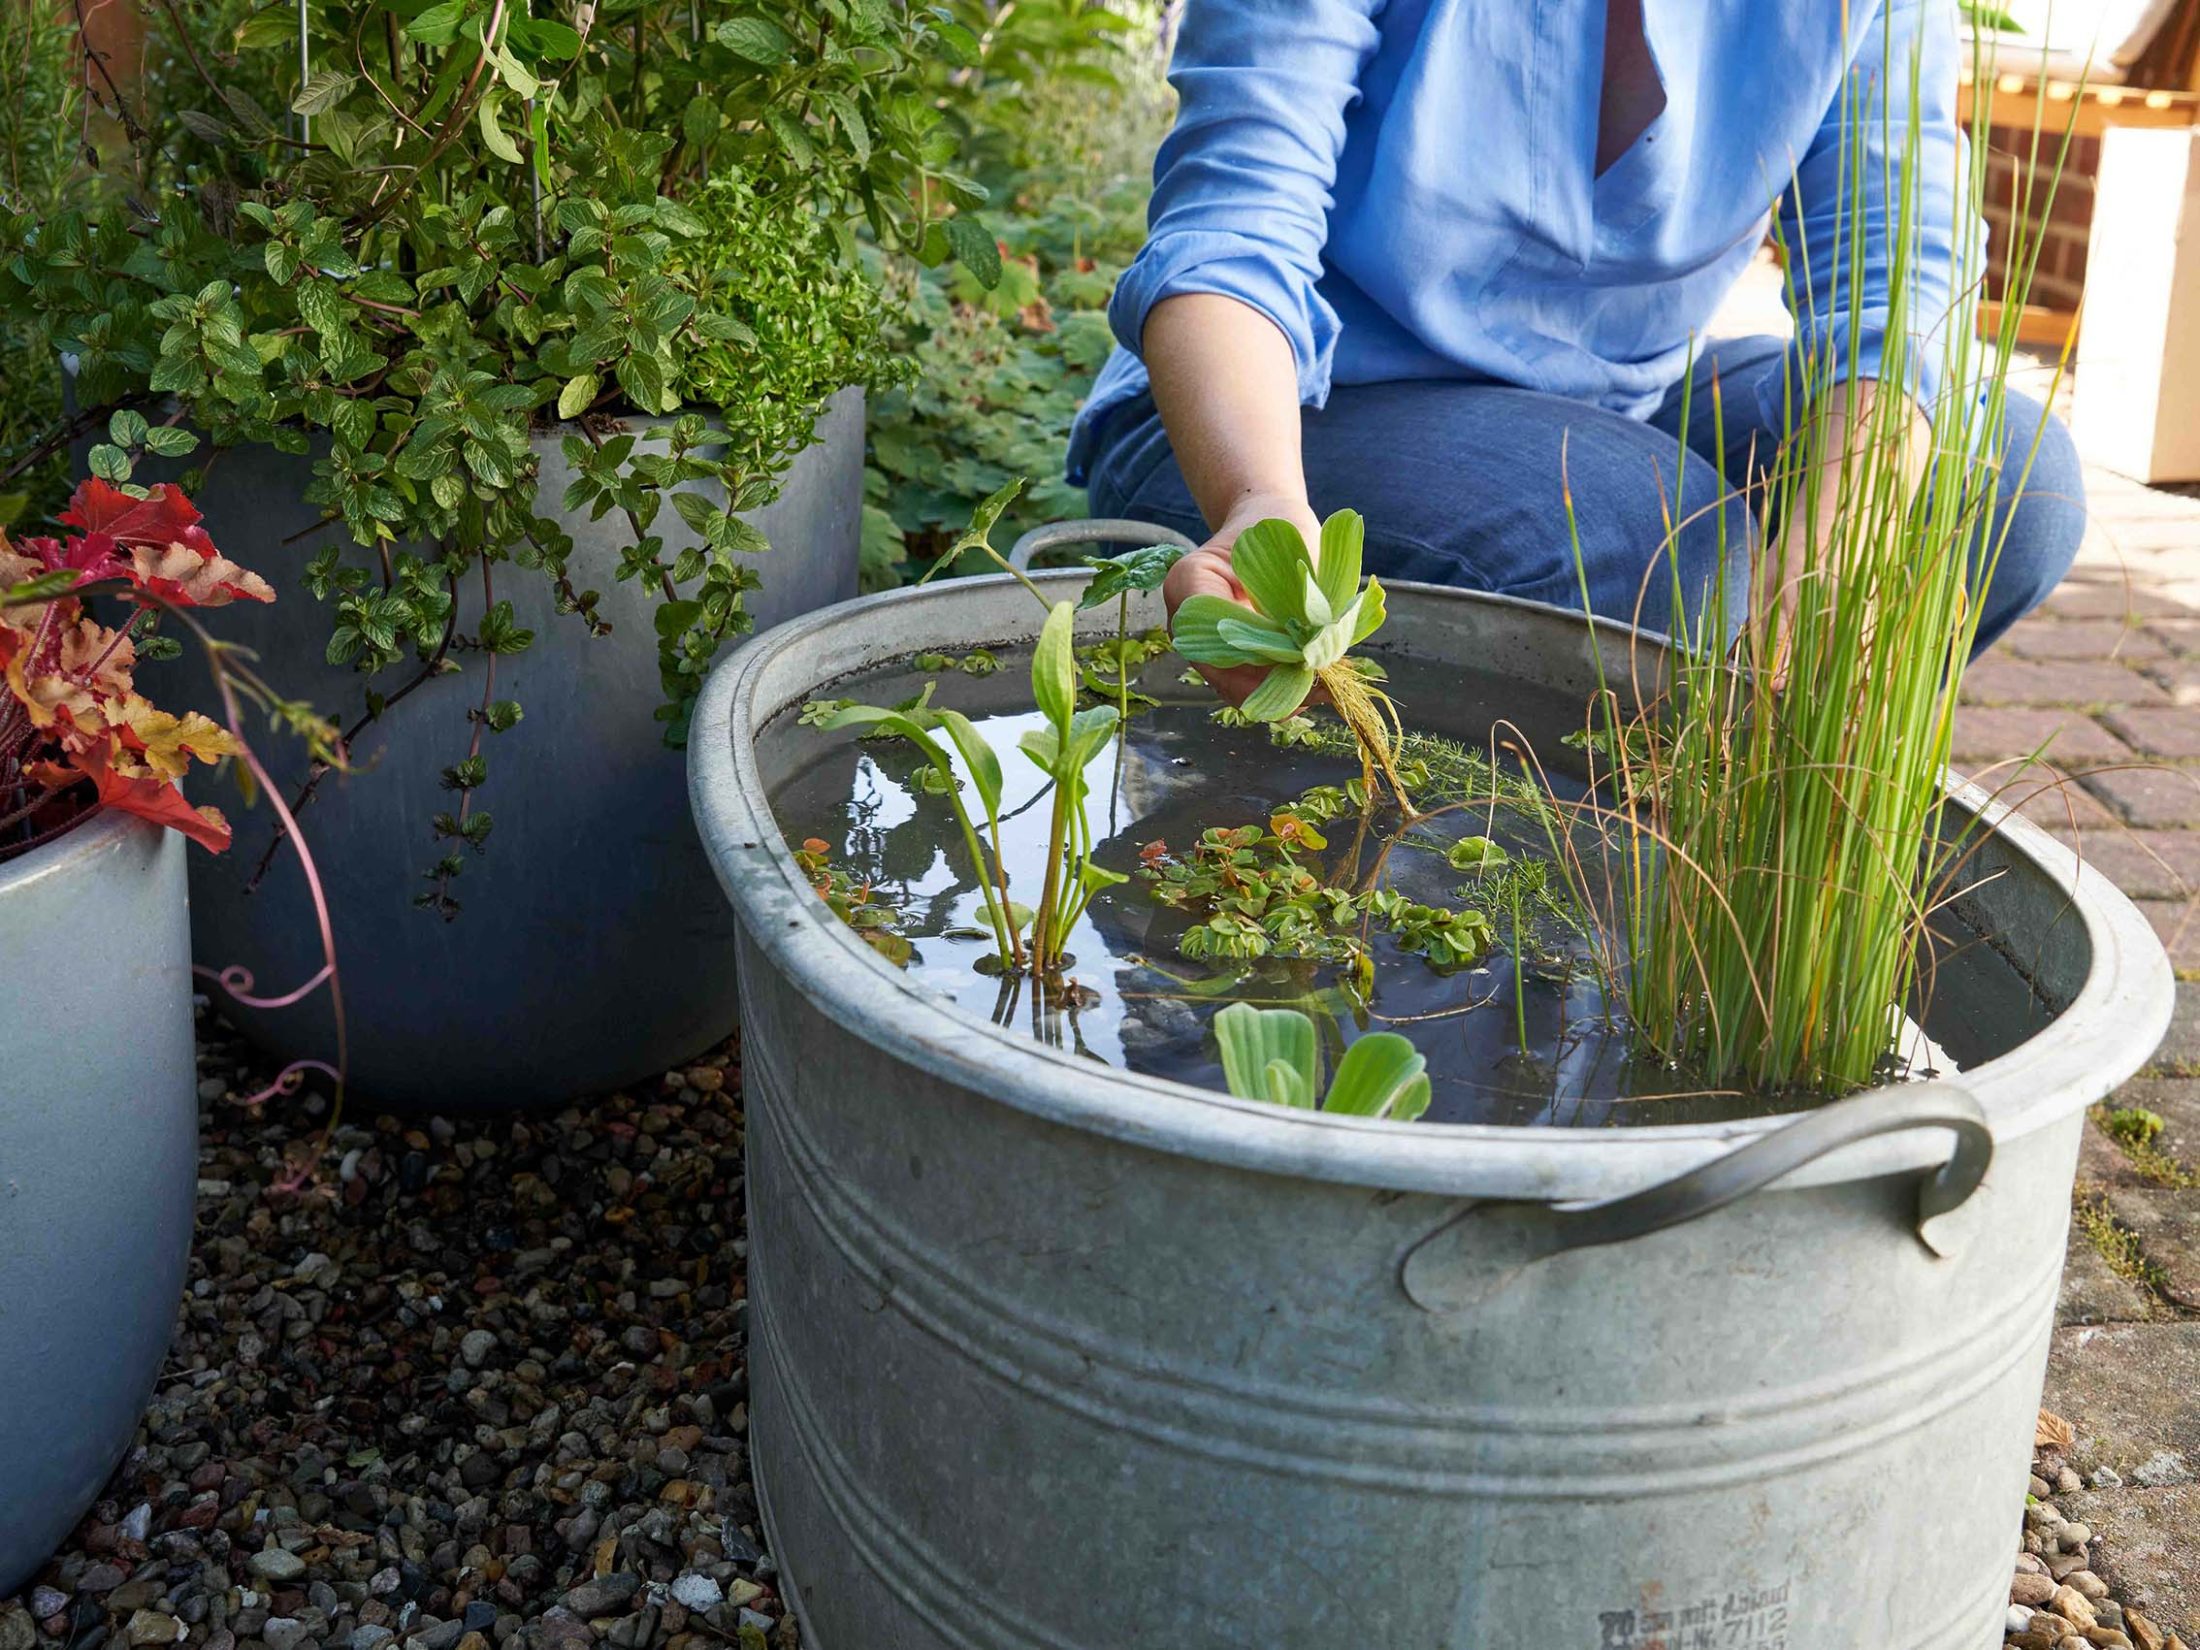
(2030, 1589)
(275, 1564)
(697, 1592)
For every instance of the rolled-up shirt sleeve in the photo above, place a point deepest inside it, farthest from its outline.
(1843, 218)
(1242, 183)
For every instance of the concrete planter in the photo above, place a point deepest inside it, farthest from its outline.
(1044, 1352)
(592, 949)
(99, 1138)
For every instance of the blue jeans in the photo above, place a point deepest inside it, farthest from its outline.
(1461, 484)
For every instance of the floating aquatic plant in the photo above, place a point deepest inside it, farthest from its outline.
(1308, 611)
(1273, 1054)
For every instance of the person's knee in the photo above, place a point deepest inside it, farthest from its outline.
(2039, 522)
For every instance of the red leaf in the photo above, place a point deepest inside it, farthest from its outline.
(170, 555)
(163, 516)
(142, 794)
(94, 556)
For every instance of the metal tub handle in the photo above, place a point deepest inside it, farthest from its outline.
(1097, 530)
(1515, 1235)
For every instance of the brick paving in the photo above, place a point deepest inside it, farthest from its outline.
(2102, 686)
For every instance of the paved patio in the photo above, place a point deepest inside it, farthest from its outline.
(2104, 686)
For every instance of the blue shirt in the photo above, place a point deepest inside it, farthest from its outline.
(1408, 189)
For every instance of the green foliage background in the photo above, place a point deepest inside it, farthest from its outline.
(40, 126)
(1073, 105)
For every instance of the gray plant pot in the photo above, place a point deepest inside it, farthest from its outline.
(592, 949)
(1045, 1352)
(99, 1134)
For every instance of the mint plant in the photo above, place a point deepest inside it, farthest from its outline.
(460, 223)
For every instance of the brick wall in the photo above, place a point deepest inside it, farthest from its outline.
(2059, 227)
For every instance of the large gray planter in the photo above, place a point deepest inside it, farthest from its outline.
(592, 949)
(99, 1130)
(1048, 1354)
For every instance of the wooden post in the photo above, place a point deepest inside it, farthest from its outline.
(2136, 400)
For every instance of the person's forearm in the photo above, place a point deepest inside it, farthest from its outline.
(1227, 391)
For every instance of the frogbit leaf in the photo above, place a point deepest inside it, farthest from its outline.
(1475, 853)
(1252, 1039)
(1381, 1075)
(1280, 693)
(1140, 569)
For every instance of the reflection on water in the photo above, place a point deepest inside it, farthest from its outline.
(1144, 1006)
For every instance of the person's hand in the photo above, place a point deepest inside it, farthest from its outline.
(1206, 572)
(1852, 431)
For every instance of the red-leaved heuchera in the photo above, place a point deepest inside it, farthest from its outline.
(74, 733)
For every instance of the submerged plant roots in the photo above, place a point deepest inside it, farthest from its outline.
(1373, 718)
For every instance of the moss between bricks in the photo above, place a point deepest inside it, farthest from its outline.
(2136, 1131)
(2117, 1245)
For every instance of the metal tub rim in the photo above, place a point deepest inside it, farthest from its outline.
(2103, 1035)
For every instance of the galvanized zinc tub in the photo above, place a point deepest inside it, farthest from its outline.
(1048, 1354)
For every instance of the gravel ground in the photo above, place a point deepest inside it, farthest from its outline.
(482, 1383)
(2056, 1602)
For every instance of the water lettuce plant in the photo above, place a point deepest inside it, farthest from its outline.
(1274, 1054)
(1308, 610)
